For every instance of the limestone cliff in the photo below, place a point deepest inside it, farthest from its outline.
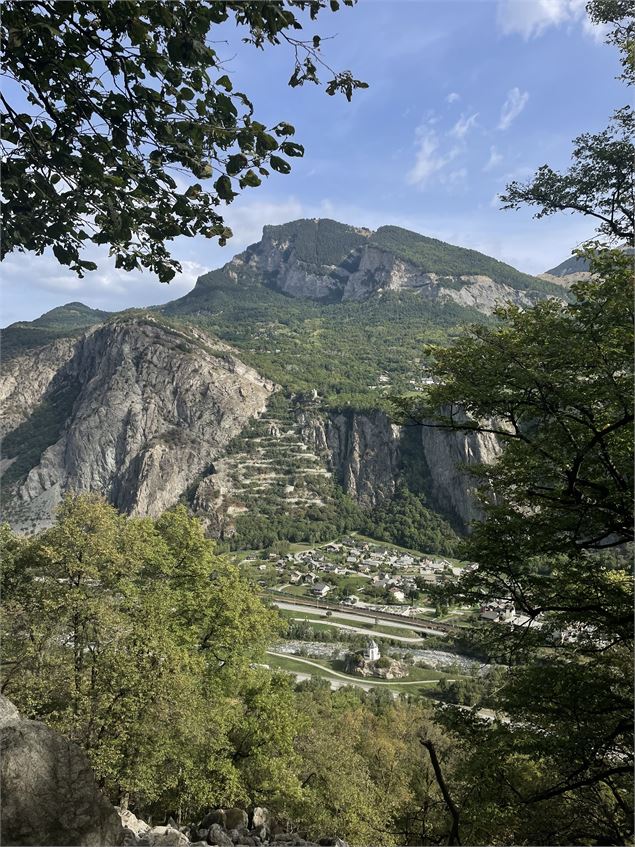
(149, 409)
(446, 459)
(368, 455)
(325, 261)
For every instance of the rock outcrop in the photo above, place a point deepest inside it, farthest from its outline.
(219, 828)
(49, 794)
(446, 459)
(148, 409)
(326, 261)
(364, 450)
(27, 379)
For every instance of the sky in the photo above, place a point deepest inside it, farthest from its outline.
(464, 96)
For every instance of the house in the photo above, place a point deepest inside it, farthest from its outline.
(295, 577)
(308, 578)
(404, 561)
(320, 589)
(397, 594)
(371, 652)
(497, 611)
(333, 547)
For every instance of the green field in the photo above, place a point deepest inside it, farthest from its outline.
(319, 621)
(334, 670)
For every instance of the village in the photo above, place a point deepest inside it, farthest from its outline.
(357, 572)
(370, 576)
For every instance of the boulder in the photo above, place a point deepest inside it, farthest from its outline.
(260, 817)
(215, 816)
(217, 835)
(132, 823)
(166, 836)
(49, 794)
(236, 819)
(234, 834)
(8, 712)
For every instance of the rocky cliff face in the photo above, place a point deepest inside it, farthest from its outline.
(150, 409)
(366, 454)
(27, 379)
(362, 450)
(325, 261)
(446, 457)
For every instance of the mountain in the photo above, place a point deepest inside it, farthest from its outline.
(572, 265)
(60, 322)
(327, 262)
(260, 398)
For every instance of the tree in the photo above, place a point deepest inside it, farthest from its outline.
(113, 106)
(134, 639)
(618, 14)
(600, 183)
(554, 383)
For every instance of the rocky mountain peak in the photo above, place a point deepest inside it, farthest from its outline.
(328, 262)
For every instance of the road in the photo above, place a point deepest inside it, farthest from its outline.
(351, 680)
(357, 616)
(486, 714)
(405, 638)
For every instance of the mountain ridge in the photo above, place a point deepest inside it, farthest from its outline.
(319, 323)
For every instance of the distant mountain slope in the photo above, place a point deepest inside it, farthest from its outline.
(262, 397)
(434, 256)
(572, 265)
(61, 322)
(329, 262)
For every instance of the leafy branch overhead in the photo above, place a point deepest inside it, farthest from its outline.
(600, 182)
(115, 115)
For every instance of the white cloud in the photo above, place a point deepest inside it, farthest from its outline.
(530, 18)
(457, 179)
(429, 160)
(453, 97)
(51, 284)
(512, 107)
(463, 125)
(495, 158)
(246, 219)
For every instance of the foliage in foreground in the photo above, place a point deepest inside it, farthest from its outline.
(134, 639)
(555, 384)
(112, 103)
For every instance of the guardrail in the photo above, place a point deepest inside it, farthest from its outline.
(414, 623)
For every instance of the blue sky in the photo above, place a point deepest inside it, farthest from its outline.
(464, 96)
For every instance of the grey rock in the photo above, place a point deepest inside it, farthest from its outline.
(260, 817)
(246, 841)
(215, 816)
(151, 408)
(235, 835)
(49, 794)
(236, 819)
(217, 835)
(8, 711)
(166, 836)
